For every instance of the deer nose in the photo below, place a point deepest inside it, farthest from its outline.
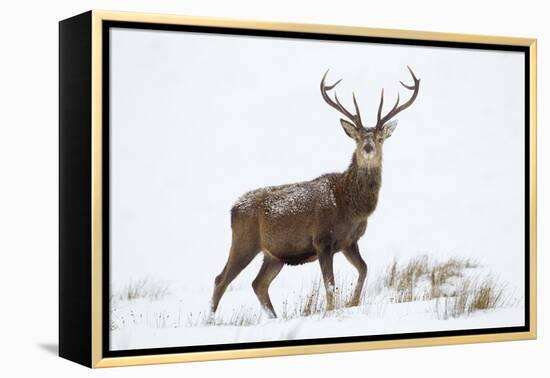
(369, 148)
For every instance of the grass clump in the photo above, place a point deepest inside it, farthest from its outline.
(442, 273)
(472, 296)
(487, 295)
(422, 279)
(142, 288)
(449, 281)
(402, 281)
(312, 300)
(242, 316)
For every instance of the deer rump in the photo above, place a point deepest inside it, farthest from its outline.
(287, 222)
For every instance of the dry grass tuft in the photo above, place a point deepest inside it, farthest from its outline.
(409, 282)
(472, 296)
(487, 295)
(447, 281)
(142, 288)
(312, 300)
(242, 316)
(442, 273)
(403, 280)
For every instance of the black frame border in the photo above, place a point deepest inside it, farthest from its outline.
(75, 181)
(107, 25)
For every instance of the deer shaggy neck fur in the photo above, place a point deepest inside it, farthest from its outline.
(359, 187)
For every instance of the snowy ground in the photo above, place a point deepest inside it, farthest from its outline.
(452, 181)
(179, 316)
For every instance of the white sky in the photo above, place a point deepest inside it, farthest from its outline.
(198, 119)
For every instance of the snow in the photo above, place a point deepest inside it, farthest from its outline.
(349, 324)
(182, 318)
(165, 323)
(291, 199)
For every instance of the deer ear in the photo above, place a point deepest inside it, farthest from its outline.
(349, 128)
(389, 128)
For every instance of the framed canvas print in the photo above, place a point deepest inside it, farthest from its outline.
(236, 189)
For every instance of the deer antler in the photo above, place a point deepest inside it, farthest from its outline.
(355, 118)
(397, 108)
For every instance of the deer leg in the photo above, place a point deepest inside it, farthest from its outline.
(354, 257)
(239, 258)
(269, 270)
(326, 258)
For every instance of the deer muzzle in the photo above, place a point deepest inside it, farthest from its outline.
(369, 148)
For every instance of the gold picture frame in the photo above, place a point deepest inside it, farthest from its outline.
(82, 279)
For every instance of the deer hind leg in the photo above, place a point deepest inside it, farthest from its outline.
(354, 257)
(269, 270)
(239, 258)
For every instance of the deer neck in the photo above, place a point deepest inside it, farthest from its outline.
(361, 185)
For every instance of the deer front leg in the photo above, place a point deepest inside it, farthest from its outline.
(354, 257)
(326, 257)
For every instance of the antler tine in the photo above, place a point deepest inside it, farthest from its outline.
(331, 87)
(342, 108)
(409, 87)
(379, 124)
(356, 119)
(380, 107)
(357, 112)
(412, 73)
(399, 108)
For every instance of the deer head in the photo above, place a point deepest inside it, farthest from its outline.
(369, 140)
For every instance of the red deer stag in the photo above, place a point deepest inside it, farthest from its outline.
(298, 223)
